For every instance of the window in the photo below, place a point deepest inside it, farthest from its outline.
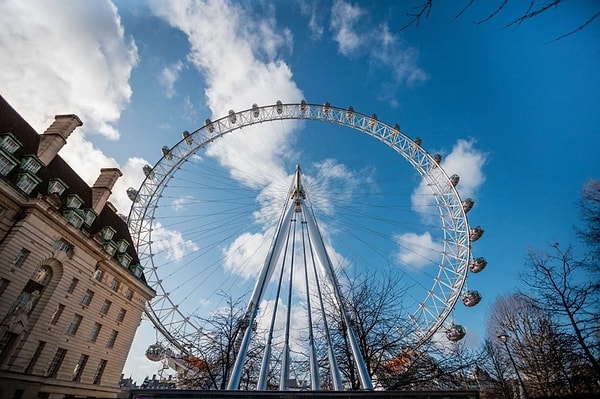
(121, 315)
(3, 284)
(62, 245)
(78, 370)
(128, 294)
(90, 216)
(20, 258)
(9, 143)
(105, 306)
(99, 372)
(59, 356)
(74, 326)
(111, 339)
(6, 342)
(87, 297)
(7, 163)
(30, 164)
(108, 233)
(99, 274)
(27, 182)
(110, 247)
(122, 246)
(56, 186)
(95, 332)
(35, 357)
(114, 285)
(74, 217)
(73, 201)
(57, 313)
(72, 286)
(124, 260)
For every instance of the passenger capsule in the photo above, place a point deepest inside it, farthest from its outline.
(350, 112)
(209, 125)
(188, 137)
(455, 333)
(132, 193)
(476, 233)
(372, 120)
(166, 151)
(326, 107)
(477, 264)
(437, 158)
(302, 106)
(468, 204)
(255, 110)
(418, 141)
(471, 298)
(395, 130)
(454, 179)
(279, 107)
(232, 116)
(148, 172)
(155, 352)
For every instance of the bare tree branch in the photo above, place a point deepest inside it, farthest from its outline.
(492, 15)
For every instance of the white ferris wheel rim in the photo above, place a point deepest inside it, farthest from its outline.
(447, 287)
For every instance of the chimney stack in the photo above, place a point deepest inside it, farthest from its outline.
(101, 189)
(55, 137)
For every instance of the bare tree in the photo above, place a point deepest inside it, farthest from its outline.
(543, 352)
(216, 349)
(533, 9)
(589, 231)
(559, 285)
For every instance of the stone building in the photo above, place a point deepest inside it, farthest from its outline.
(72, 290)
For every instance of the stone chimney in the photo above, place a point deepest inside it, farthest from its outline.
(55, 137)
(101, 189)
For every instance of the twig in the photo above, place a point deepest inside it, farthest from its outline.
(580, 27)
(492, 15)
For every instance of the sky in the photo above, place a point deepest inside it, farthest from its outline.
(513, 112)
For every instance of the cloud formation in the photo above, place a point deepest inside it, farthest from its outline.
(66, 56)
(357, 37)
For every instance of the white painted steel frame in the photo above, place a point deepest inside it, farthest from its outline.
(447, 286)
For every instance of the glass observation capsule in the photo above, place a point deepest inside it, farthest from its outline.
(456, 332)
(471, 298)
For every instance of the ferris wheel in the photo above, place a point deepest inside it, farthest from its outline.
(285, 205)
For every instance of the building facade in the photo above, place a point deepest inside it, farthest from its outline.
(72, 290)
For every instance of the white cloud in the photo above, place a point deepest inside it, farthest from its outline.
(464, 160)
(417, 250)
(168, 76)
(357, 37)
(344, 17)
(70, 57)
(171, 241)
(179, 204)
(66, 57)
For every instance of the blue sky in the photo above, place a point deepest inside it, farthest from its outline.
(139, 73)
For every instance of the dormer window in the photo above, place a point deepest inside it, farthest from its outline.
(107, 233)
(7, 163)
(124, 260)
(27, 182)
(74, 201)
(75, 217)
(90, 216)
(56, 186)
(9, 143)
(110, 247)
(30, 163)
(122, 246)
(137, 269)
